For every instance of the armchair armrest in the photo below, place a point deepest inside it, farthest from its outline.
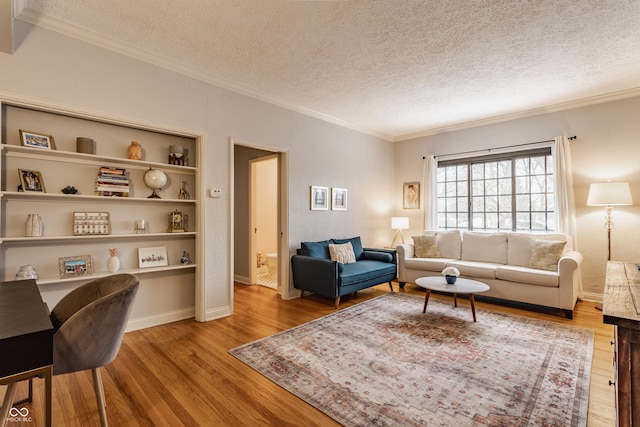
(569, 262)
(317, 275)
(384, 255)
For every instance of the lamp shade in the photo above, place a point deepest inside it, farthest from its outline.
(609, 194)
(400, 222)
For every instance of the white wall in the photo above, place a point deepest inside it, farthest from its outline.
(55, 68)
(607, 148)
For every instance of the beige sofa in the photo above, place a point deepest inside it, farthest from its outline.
(538, 269)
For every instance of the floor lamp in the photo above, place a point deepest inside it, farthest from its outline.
(399, 223)
(609, 194)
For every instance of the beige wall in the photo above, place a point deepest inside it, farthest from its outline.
(607, 148)
(54, 68)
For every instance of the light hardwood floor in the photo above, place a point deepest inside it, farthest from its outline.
(181, 374)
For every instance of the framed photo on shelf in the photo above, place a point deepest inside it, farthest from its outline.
(152, 257)
(319, 198)
(339, 199)
(411, 195)
(31, 181)
(91, 223)
(36, 140)
(75, 266)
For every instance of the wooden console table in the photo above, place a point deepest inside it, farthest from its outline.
(621, 308)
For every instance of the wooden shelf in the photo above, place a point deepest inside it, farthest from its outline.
(53, 239)
(55, 197)
(73, 157)
(137, 271)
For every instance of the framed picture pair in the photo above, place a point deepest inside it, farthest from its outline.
(320, 198)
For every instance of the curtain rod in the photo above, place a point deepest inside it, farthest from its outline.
(571, 138)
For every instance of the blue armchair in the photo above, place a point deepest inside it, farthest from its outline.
(314, 271)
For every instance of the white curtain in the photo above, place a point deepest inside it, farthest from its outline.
(429, 190)
(564, 194)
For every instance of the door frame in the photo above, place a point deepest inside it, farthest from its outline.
(284, 288)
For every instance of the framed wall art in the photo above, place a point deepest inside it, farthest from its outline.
(31, 181)
(75, 266)
(91, 223)
(37, 140)
(319, 198)
(411, 195)
(152, 257)
(339, 199)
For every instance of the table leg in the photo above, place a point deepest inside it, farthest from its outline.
(48, 379)
(455, 300)
(473, 306)
(7, 403)
(426, 301)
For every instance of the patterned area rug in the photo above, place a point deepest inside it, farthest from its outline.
(384, 363)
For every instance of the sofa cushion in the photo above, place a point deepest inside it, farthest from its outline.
(545, 254)
(484, 247)
(519, 246)
(364, 270)
(427, 264)
(426, 246)
(342, 253)
(474, 269)
(449, 242)
(355, 243)
(316, 249)
(527, 275)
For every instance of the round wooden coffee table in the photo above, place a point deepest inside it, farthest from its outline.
(462, 286)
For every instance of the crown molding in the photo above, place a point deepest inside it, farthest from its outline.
(87, 36)
(563, 106)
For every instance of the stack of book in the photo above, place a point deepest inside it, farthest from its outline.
(112, 182)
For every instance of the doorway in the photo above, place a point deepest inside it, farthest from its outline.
(263, 228)
(244, 247)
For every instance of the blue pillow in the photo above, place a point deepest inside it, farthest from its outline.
(316, 249)
(355, 242)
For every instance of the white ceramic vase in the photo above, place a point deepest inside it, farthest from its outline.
(33, 227)
(113, 264)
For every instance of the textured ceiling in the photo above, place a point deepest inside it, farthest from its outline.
(393, 68)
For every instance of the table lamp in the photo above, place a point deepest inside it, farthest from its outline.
(609, 194)
(399, 223)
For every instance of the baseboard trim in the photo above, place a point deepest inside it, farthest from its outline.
(148, 322)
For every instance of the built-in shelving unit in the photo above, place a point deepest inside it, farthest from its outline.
(173, 287)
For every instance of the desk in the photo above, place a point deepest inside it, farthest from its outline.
(621, 308)
(26, 339)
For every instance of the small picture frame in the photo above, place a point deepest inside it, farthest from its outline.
(37, 140)
(75, 266)
(319, 198)
(152, 257)
(31, 181)
(411, 195)
(339, 199)
(91, 223)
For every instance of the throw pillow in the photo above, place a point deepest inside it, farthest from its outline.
(426, 246)
(355, 243)
(545, 254)
(342, 253)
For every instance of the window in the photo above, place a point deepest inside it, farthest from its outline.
(512, 191)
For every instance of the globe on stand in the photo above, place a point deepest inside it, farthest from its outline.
(154, 179)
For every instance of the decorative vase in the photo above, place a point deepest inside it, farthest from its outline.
(34, 226)
(113, 264)
(450, 279)
(26, 272)
(134, 151)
